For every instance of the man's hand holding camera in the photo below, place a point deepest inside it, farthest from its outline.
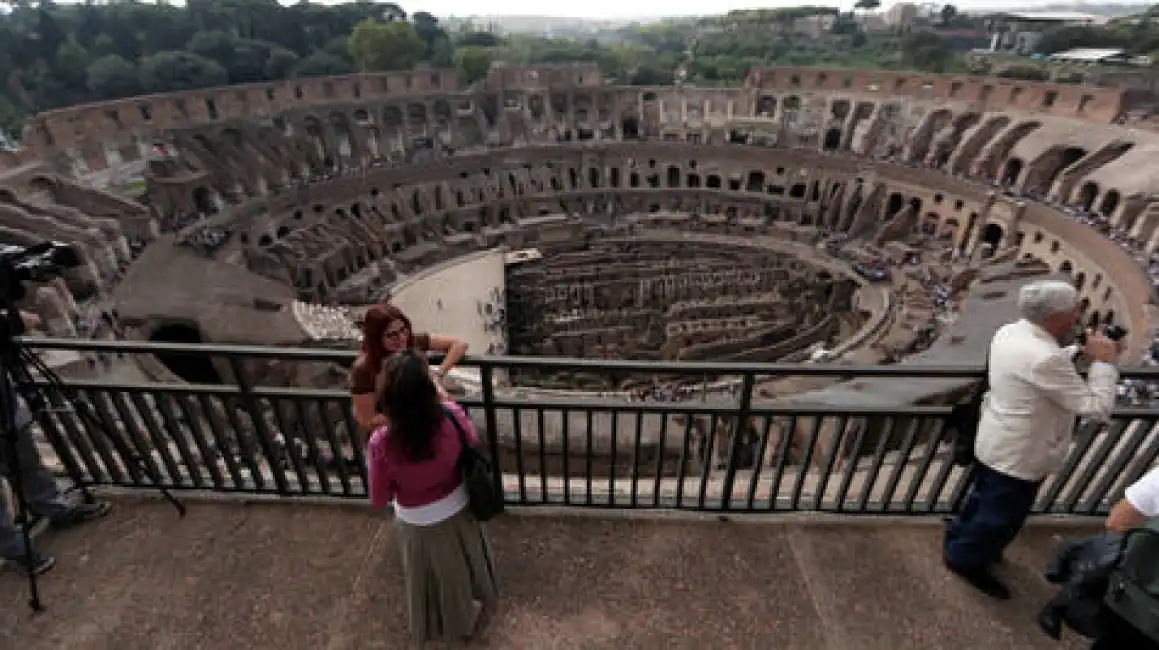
(1100, 347)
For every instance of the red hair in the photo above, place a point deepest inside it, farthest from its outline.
(377, 320)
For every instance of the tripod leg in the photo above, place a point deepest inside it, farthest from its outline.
(84, 410)
(30, 562)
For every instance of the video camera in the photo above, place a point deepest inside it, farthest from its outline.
(37, 263)
(1114, 332)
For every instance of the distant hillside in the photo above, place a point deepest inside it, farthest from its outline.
(537, 24)
(1111, 10)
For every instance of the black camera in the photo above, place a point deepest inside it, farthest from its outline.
(37, 263)
(1113, 332)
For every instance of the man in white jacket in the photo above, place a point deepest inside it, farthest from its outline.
(1026, 425)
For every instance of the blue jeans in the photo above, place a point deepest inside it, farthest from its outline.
(40, 489)
(990, 519)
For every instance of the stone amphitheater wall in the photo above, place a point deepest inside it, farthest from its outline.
(1065, 100)
(463, 298)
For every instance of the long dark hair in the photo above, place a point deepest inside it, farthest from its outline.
(411, 405)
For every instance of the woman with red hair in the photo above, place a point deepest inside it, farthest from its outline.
(386, 331)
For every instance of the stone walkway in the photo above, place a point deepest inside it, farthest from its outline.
(310, 577)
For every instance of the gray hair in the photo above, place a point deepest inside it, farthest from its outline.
(1040, 300)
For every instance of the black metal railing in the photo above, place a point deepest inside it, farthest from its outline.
(735, 450)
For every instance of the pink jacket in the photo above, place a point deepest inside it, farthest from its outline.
(417, 484)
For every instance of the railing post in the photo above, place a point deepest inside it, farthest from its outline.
(259, 422)
(742, 416)
(487, 378)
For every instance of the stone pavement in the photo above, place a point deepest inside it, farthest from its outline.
(327, 577)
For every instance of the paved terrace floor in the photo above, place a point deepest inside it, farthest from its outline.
(235, 576)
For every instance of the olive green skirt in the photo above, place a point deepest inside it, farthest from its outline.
(447, 566)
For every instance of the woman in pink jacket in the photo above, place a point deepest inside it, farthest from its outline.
(450, 577)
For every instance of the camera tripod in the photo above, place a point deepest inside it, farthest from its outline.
(17, 364)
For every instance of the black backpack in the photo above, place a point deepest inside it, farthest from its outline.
(1134, 589)
(485, 497)
(963, 421)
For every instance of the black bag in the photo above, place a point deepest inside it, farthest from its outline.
(1134, 590)
(963, 421)
(485, 498)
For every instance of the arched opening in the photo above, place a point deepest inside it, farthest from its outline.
(766, 106)
(1110, 203)
(1087, 195)
(1109, 317)
(832, 140)
(895, 203)
(1094, 319)
(992, 235)
(1066, 267)
(193, 368)
(756, 182)
(202, 201)
(631, 128)
(673, 176)
(1080, 279)
(713, 182)
(1011, 172)
(1043, 174)
(930, 224)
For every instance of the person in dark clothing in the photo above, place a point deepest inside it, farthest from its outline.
(1140, 502)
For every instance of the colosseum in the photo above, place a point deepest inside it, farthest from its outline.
(829, 216)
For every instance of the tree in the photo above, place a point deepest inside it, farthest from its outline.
(949, 13)
(321, 64)
(925, 51)
(378, 46)
(480, 39)
(1024, 72)
(281, 63)
(111, 76)
(473, 62)
(179, 70)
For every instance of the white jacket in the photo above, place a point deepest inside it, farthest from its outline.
(1028, 415)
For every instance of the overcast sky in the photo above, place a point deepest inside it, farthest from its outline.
(638, 8)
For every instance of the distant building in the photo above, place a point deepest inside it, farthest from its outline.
(874, 24)
(902, 14)
(1020, 32)
(814, 26)
(1092, 55)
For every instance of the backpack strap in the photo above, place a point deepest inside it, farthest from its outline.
(458, 426)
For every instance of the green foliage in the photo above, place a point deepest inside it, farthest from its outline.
(1024, 72)
(180, 70)
(473, 62)
(54, 54)
(925, 51)
(112, 76)
(395, 45)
